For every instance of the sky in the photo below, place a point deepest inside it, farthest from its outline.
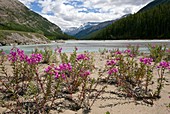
(73, 13)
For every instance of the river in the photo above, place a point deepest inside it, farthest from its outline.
(91, 45)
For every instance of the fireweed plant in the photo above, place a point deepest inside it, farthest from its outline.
(28, 91)
(134, 76)
(25, 88)
(48, 55)
(134, 50)
(157, 52)
(16, 85)
(162, 67)
(75, 72)
(33, 92)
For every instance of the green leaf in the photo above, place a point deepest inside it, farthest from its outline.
(107, 112)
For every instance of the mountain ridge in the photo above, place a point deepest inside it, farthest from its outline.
(91, 29)
(16, 16)
(148, 24)
(152, 4)
(82, 34)
(74, 30)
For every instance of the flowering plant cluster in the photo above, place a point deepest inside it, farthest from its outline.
(32, 90)
(128, 51)
(24, 70)
(82, 57)
(132, 74)
(59, 71)
(85, 73)
(18, 55)
(131, 52)
(118, 52)
(48, 56)
(71, 75)
(164, 65)
(2, 52)
(112, 70)
(134, 50)
(157, 52)
(111, 62)
(34, 59)
(146, 61)
(75, 71)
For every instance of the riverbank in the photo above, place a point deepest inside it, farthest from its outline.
(111, 100)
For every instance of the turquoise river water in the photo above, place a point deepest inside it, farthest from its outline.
(91, 45)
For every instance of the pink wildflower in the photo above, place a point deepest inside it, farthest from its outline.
(57, 75)
(34, 59)
(146, 61)
(132, 55)
(64, 67)
(153, 46)
(63, 76)
(168, 50)
(117, 59)
(60, 71)
(48, 69)
(113, 70)
(59, 50)
(164, 64)
(111, 62)
(3, 53)
(16, 54)
(82, 57)
(118, 53)
(128, 51)
(76, 48)
(85, 73)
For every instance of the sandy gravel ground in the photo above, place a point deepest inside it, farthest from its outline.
(119, 105)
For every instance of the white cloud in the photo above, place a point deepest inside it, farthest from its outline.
(27, 2)
(73, 13)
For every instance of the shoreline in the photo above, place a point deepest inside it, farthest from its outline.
(114, 104)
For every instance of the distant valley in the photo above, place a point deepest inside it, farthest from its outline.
(75, 30)
(20, 25)
(88, 28)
